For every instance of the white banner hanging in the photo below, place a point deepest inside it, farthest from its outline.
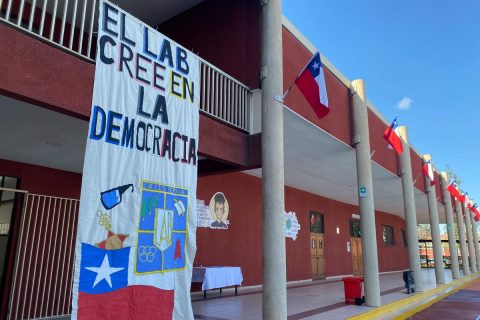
(137, 220)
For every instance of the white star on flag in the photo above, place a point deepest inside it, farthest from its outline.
(316, 65)
(104, 271)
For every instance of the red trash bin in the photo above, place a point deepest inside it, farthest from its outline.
(353, 289)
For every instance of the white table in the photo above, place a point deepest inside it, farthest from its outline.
(217, 277)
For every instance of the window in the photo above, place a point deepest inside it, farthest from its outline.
(316, 222)
(404, 236)
(355, 228)
(388, 235)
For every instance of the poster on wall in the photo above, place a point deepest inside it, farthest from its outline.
(291, 225)
(213, 216)
(219, 211)
(137, 221)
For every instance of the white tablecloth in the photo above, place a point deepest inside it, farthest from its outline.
(217, 277)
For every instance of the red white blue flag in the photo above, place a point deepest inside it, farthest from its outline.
(104, 288)
(428, 172)
(453, 189)
(474, 209)
(311, 83)
(392, 137)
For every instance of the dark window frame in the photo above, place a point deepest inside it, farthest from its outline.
(386, 241)
(354, 232)
(317, 228)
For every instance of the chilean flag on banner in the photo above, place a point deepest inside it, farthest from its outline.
(428, 172)
(104, 290)
(392, 137)
(452, 188)
(311, 83)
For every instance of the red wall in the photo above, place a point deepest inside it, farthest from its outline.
(42, 180)
(39, 73)
(240, 245)
(337, 123)
(225, 33)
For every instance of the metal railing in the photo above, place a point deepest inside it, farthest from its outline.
(68, 24)
(224, 98)
(71, 25)
(44, 263)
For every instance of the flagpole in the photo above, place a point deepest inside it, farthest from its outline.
(415, 180)
(281, 98)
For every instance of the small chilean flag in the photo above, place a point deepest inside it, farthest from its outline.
(452, 188)
(311, 83)
(428, 172)
(474, 209)
(464, 198)
(391, 135)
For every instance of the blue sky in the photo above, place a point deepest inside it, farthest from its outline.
(425, 53)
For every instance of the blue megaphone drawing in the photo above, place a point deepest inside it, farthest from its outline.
(113, 197)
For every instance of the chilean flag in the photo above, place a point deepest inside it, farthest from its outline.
(464, 198)
(452, 188)
(474, 209)
(391, 135)
(105, 292)
(311, 83)
(428, 172)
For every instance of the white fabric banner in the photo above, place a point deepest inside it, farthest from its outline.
(137, 221)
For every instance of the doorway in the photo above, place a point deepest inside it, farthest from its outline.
(356, 247)
(8, 207)
(317, 245)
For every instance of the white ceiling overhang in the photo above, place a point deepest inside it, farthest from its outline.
(39, 136)
(319, 163)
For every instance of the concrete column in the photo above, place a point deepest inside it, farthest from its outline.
(471, 246)
(452, 241)
(434, 227)
(274, 294)
(361, 141)
(410, 210)
(475, 239)
(461, 235)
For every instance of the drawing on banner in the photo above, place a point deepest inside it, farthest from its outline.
(219, 211)
(104, 267)
(291, 225)
(114, 240)
(162, 229)
(113, 197)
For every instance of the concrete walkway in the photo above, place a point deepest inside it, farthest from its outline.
(310, 300)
